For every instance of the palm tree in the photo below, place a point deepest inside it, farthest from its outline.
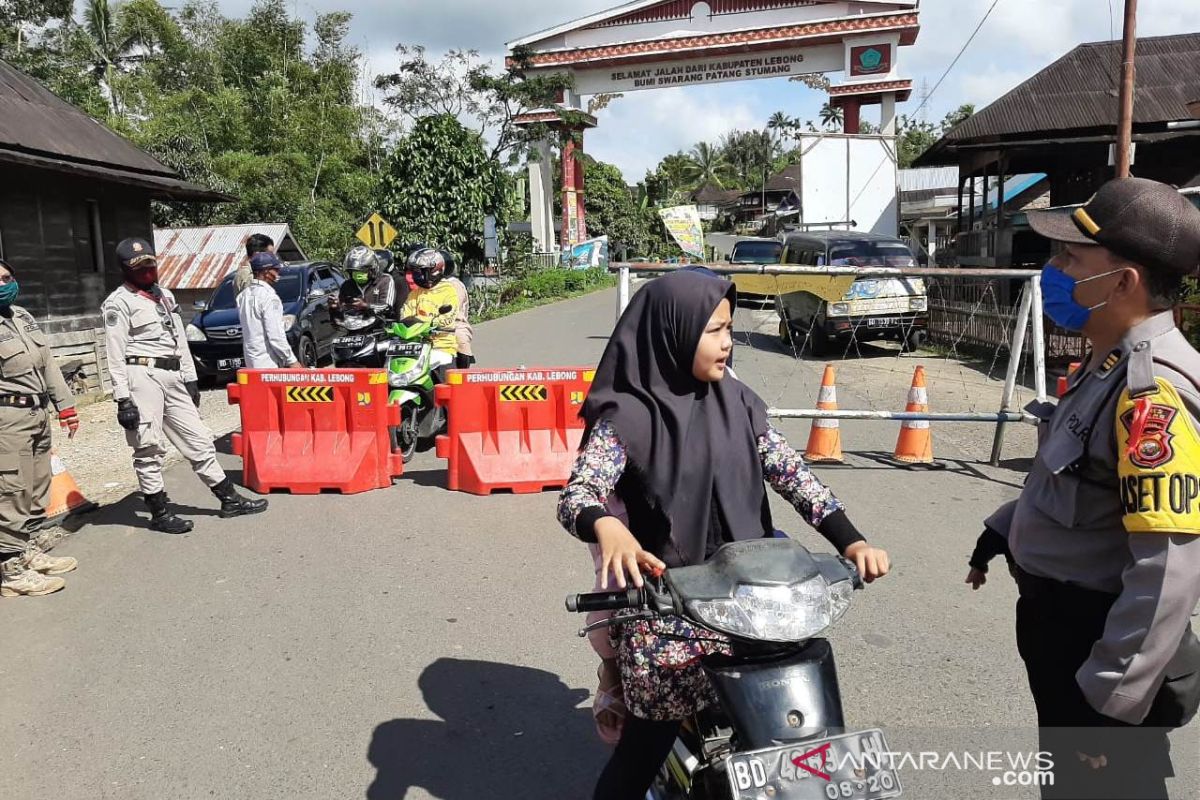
(779, 122)
(832, 116)
(110, 50)
(707, 167)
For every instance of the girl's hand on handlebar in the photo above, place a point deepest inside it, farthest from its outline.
(872, 562)
(621, 554)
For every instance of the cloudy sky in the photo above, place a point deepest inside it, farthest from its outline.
(636, 131)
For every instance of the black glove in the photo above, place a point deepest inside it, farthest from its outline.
(127, 414)
(193, 388)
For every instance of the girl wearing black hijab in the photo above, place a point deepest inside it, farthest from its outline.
(674, 464)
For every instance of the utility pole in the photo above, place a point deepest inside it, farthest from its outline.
(1125, 119)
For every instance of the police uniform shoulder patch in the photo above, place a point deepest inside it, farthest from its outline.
(1158, 462)
(111, 317)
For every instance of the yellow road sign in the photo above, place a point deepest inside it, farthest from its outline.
(376, 233)
(522, 393)
(309, 394)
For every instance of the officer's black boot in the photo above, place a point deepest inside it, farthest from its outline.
(233, 504)
(161, 518)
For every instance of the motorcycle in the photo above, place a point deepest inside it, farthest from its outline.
(405, 350)
(778, 730)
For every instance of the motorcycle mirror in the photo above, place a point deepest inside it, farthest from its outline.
(316, 294)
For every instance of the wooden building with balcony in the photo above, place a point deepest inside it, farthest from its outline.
(1061, 124)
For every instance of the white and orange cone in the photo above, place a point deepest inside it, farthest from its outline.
(915, 445)
(65, 496)
(825, 438)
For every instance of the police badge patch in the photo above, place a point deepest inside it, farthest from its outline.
(1149, 428)
(111, 318)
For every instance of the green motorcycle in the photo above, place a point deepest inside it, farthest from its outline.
(405, 350)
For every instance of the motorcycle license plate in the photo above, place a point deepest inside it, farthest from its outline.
(405, 349)
(350, 341)
(853, 766)
(885, 322)
(229, 363)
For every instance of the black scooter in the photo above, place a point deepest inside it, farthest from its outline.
(778, 732)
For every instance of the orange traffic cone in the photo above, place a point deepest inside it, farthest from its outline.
(65, 497)
(825, 439)
(915, 445)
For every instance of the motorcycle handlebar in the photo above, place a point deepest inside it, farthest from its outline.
(606, 601)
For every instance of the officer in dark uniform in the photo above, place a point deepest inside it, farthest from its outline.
(1106, 533)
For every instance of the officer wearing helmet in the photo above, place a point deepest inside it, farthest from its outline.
(369, 289)
(154, 384)
(434, 299)
(1105, 536)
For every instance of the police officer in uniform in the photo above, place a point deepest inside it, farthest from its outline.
(30, 381)
(1106, 533)
(154, 384)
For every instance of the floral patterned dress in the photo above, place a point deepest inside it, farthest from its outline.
(659, 659)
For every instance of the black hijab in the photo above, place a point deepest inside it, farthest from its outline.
(692, 446)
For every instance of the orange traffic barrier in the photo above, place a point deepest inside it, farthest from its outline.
(515, 430)
(308, 431)
(915, 445)
(65, 496)
(1063, 380)
(825, 438)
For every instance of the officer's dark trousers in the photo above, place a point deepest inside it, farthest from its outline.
(1057, 624)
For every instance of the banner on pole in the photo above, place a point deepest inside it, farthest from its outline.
(683, 222)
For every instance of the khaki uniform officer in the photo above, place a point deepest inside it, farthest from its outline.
(1106, 533)
(29, 382)
(154, 384)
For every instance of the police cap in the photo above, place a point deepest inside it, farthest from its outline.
(1144, 221)
(132, 253)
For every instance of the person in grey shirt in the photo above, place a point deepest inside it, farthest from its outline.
(255, 243)
(264, 340)
(155, 387)
(1105, 536)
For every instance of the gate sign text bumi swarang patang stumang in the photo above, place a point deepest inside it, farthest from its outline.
(690, 72)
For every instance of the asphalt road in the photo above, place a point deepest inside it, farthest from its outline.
(412, 642)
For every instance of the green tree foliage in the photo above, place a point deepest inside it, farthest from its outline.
(708, 167)
(439, 185)
(263, 108)
(751, 156)
(460, 85)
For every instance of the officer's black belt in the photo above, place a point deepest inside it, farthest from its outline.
(171, 364)
(24, 400)
(1035, 587)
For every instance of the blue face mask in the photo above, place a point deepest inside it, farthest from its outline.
(9, 292)
(1058, 298)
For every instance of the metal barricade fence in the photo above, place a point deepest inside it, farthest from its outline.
(1028, 319)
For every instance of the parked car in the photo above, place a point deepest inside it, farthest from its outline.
(872, 308)
(215, 333)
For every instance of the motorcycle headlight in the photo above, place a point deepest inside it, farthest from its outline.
(356, 323)
(839, 309)
(792, 613)
(194, 334)
(409, 376)
(289, 320)
(918, 304)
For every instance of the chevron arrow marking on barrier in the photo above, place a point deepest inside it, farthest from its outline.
(523, 393)
(309, 394)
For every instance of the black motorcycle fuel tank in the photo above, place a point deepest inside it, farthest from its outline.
(789, 698)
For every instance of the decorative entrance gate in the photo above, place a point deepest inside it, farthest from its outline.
(653, 44)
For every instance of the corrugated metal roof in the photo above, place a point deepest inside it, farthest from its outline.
(199, 258)
(929, 179)
(1078, 93)
(38, 128)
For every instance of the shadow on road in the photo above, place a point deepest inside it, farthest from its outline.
(505, 731)
(130, 511)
